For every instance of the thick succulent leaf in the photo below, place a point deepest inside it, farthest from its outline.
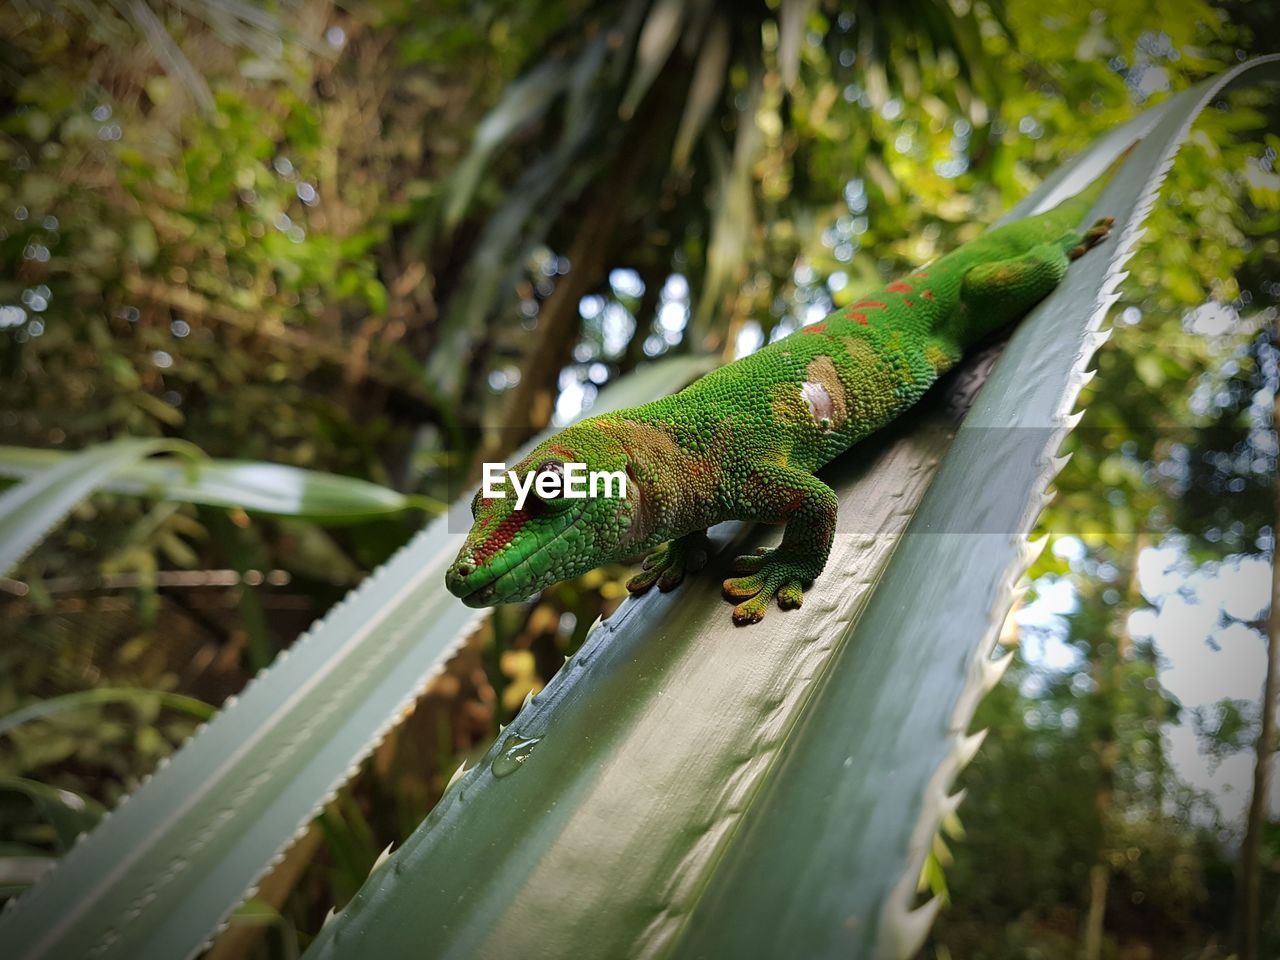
(268, 488)
(170, 863)
(772, 791)
(837, 840)
(31, 509)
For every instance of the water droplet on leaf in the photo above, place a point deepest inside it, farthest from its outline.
(517, 751)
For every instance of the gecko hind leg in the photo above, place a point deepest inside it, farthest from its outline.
(667, 565)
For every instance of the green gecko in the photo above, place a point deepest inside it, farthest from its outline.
(743, 442)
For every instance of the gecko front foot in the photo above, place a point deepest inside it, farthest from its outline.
(1092, 237)
(771, 575)
(667, 565)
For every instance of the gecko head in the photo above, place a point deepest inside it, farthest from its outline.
(515, 549)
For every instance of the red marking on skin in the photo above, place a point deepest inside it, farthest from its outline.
(815, 328)
(899, 287)
(868, 305)
(501, 536)
(860, 317)
(927, 294)
(909, 302)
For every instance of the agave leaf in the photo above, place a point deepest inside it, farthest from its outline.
(866, 778)
(773, 791)
(31, 509)
(268, 488)
(168, 865)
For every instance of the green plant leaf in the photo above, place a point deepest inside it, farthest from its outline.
(268, 488)
(31, 509)
(19, 872)
(70, 702)
(704, 89)
(531, 206)
(69, 813)
(792, 15)
(653, 49)
(525, 102)
(774, 791)
(733, 213)
(170, 863)
(255, 912)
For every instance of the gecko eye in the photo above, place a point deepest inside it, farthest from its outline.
(555, 498)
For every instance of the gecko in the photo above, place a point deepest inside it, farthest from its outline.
(744, 441)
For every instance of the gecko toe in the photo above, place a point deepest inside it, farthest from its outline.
(671, 577)
(667, 565)
(743, 588)
(642, 582)
(791, 595)
(751, 562)
(778, 576)
(750, 611)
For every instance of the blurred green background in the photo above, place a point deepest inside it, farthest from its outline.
(389, 239)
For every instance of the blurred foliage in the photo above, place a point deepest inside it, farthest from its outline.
(374, 240)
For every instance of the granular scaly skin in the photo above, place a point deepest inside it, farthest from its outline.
(743, 442)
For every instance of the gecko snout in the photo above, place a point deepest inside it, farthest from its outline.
(455, 577)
